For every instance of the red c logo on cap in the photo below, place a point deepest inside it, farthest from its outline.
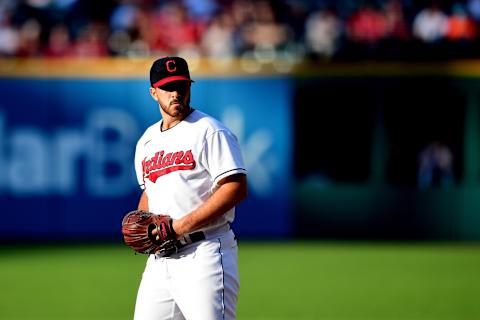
(169, 68)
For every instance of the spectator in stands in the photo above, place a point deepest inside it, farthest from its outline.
(242, 12)
(91, 42)
(273, 34)
(460, 27)
(29, 40)
(173, 30)
(264, 28)
(367, 25)
(264, 32)
(58, 44)
(397, 26)
(430, 24)
(323, 29)
(9, 35)
(124, 16)
(218, 39)
(397, 42)
(366, 28)
(129, 24)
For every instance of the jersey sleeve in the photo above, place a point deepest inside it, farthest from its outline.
(139, 158)
(222, 156)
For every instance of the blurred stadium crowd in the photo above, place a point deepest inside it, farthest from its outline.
(288, 29)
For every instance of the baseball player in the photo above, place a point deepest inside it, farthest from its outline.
(190, 167)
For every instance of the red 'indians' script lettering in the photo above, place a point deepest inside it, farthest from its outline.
(161, 164)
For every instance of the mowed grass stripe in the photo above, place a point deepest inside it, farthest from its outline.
(370, 281)
(282, 280)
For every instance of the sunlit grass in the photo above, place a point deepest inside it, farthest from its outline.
(298, 280)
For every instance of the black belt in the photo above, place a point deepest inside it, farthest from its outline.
(191, 238)
(183, 242)
(195, 237)
(174, 247)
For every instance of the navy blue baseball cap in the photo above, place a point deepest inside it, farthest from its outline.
(168, 69)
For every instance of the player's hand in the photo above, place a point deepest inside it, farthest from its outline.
(155, 231)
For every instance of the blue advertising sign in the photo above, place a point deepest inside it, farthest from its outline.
(67, 146)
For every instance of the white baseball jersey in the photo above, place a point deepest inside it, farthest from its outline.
(179, 168)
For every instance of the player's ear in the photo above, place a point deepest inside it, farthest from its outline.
(153, 93)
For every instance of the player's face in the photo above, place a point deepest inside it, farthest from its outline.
(173, 98)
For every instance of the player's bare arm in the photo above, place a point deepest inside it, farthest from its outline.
(143, 202)
(232, 190)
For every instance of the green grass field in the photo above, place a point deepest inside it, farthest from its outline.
(297, 280)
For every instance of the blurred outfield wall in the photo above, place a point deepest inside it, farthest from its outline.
(331, 150)
(369, 123)
(67, 137)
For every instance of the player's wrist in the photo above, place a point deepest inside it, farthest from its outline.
(176, 227)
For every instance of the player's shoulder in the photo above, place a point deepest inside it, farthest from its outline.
(206, 121)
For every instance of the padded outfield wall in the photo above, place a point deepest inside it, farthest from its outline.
(331, 150)
(67, 137)
(369, 123)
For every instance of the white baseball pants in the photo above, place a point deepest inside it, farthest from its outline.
(198, 283)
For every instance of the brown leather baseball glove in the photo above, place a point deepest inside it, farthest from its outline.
(137, 227)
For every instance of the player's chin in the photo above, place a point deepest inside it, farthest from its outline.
(179, 109)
